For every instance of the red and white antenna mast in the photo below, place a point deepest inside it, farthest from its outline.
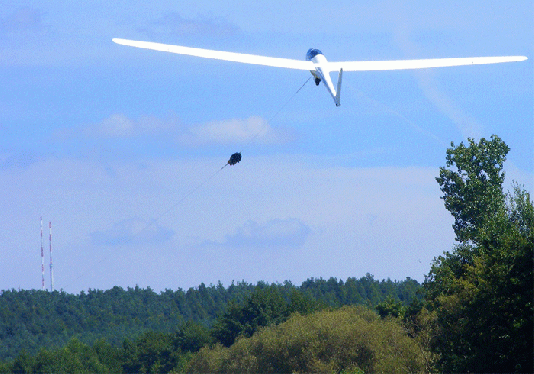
(51, 266)
(42, 258)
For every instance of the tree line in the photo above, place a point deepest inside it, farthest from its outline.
(266, 329)
(34, 319)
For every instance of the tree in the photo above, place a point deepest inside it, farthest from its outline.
(191, 337)
(473, 189)
(264, 307)
(150, 353)
(481, 292)
(24, 363)
(391, 307)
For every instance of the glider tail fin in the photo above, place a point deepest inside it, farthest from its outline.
(327, 80)
(338, 91)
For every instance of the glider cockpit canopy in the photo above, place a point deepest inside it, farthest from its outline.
(312, 52)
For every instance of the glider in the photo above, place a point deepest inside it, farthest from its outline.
(317, 64)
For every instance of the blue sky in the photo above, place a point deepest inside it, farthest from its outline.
(121, 148)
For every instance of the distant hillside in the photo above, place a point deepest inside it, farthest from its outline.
(30, 320)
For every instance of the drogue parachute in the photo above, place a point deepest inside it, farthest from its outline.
(235, 158)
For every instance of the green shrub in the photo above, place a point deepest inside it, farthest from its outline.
(348, 340)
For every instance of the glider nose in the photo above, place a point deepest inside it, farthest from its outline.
(312, 52)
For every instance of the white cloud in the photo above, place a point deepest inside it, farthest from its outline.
(237, 131)
(115, 126)
(274, 234)
(171, 130)
(132, 230)
(119, 125)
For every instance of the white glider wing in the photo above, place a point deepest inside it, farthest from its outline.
(317, 64)
(309, 65)
(221, 55)
(419, 64)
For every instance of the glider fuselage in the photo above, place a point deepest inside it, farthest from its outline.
(321, 73)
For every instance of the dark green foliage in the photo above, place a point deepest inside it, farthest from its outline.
(481, 293)
(24, 363)
(264, 307)
(274, 304)
(151, 353)
(35, 319)
(191, 336)
(363, 291)
(391, 307)
(484, 303)
(75, 357)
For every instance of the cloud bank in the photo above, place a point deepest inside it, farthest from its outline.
(171, 130)
(275, 234)
(130, 231)
(237, 131)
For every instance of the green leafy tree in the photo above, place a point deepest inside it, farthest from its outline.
(108, 355)
(472, 184)
(264, 307)
(75, 357)
(24, 363)
(191, 337)
(153, 352)
(391, 307)
(481, 292)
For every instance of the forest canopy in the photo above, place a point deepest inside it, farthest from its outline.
(32, 319)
